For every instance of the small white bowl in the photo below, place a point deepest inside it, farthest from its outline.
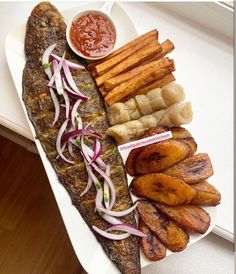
(100, 12)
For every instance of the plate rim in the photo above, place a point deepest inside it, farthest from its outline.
(44, 158)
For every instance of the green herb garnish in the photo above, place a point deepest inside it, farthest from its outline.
(98, 186)
(61, 99)
(78, 142)
(45, 66)
(106, 200)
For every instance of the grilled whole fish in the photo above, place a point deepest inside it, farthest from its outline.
(46, 26)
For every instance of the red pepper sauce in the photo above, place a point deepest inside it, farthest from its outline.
(93, 35)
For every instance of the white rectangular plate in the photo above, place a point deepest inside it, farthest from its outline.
(87, 249)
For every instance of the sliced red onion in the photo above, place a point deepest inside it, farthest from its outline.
(52, 80)
(111, 220)
(84, 150)
(45, 60)
(89, 184)
(109, 235)
(89, 154)
(118, 213)
(79, 121)
(101, 164)
(99, 197)
(71, 152)
(79, 132)
(96, 151)
(56, 105)
(93, 177)
(73, 141)
(108, 170)
(62, 149)
(58, 80)
(58, 142)
(70, 79)
(126, 228)
(99, 161)
(74, 112)
(69, 63)
(67, 102)
(110, 183)
(106, 192)
(71, 92)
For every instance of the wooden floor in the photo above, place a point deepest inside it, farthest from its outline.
(33, 239)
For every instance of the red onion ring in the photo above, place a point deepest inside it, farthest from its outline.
(126, 228)
(52, 80)
(69, 78)
(69, 63)
(109, 235)
(58, 141)
(110, 183)
(45, 60)
(71, 92)
(67, 102)
(118, 213)
(74, 112)
(79, 132)
(58, 80)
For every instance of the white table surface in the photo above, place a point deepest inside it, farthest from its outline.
(211, 255)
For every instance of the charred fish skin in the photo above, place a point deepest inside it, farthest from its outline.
(46, 26)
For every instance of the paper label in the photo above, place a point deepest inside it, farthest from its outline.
(146, 141)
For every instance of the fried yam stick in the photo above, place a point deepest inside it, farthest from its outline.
(102, 91)
(166, 47)
(131, 61)
(159, 83)
(132, 43)
(158, 64)
(106, 65)
(129, 87)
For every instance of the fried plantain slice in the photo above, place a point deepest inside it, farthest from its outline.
(130, 167)
(191, 142)
(178, 133)
(170, 234)
(193, 169)
(160, 156)
(163, 188)
(207, 194)
(151, 246)
(191, 218)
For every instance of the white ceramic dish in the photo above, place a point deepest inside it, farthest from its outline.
(87, 249)
(104, 11)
